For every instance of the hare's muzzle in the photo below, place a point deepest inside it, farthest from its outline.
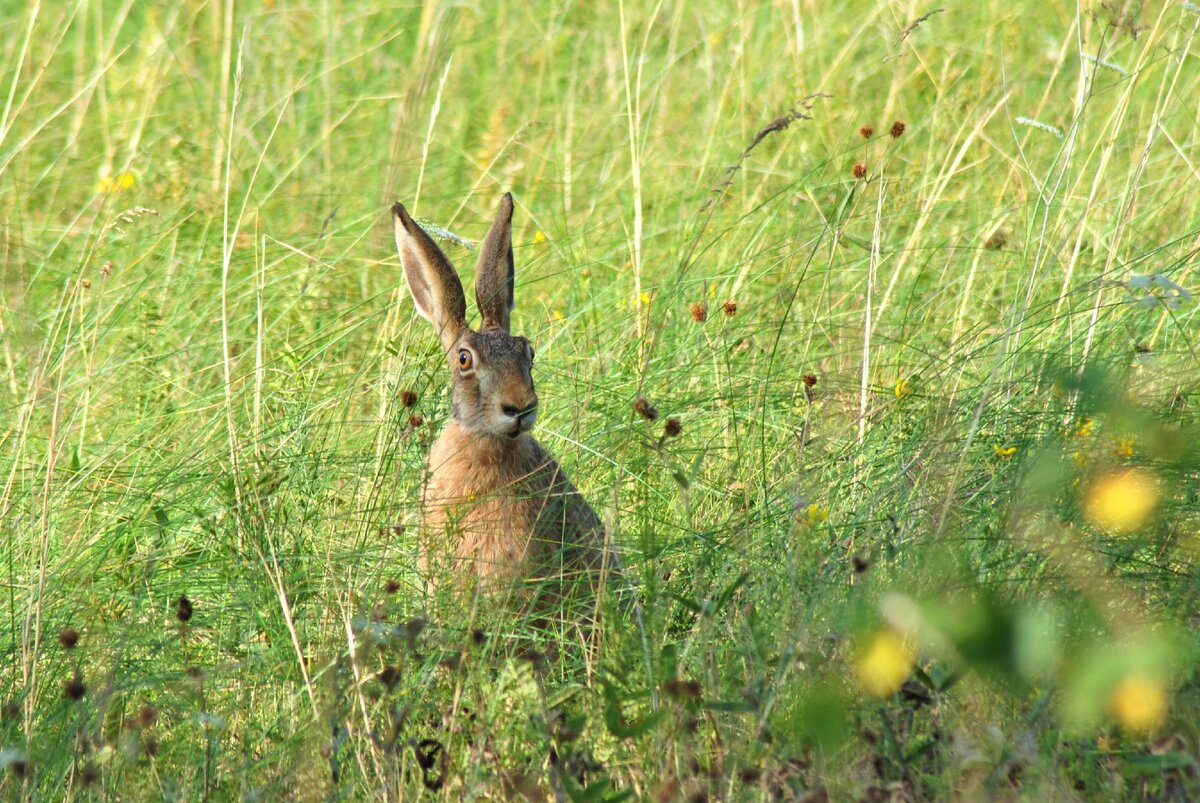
(521, 417)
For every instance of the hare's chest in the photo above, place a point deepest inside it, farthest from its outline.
(484, 507)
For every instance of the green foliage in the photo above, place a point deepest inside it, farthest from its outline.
(915, 515)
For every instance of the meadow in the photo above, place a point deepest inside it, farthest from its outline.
(867, 328)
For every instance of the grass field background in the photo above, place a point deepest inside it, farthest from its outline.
(929, 528)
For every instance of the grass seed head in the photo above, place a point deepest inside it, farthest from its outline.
(860, 170)
(699, 312)
(415, 421)
(672, 428)
(147, 716)
(68, 637)
(729, 308)
(897, 129)
(408, 398)
(866, 132)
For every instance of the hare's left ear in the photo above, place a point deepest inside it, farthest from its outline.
(494, 273)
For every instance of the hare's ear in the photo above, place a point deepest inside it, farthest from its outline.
(494, 273)
(435, 287)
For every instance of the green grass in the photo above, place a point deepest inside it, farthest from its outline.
(205, 338)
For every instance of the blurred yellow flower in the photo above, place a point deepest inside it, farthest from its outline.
(712, 291)
(121, 181)
(539, 236)
(903, 388)
(714, 39)
(1138, 703)
(812, 515)
(557, 315)
(1124, 449)
(1084, 428)
(885, 664)
(1004, 451)
(1121, 502)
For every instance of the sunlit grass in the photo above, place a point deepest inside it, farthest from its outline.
(910, 295)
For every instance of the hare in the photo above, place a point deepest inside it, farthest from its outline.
(495, 506)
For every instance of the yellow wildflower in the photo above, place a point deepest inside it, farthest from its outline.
(1084, 428)
(557, 315)
(903, 388)
(1124, 449)
(1138, 703)
(539, 236)
(121, 181)
(1121, 502)
(1004, 451)
(812, 515)
(884, 664)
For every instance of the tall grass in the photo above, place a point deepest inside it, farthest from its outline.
(899, 397)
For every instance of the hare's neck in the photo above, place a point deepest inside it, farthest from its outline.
(469, 454)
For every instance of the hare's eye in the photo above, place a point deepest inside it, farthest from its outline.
(464, 359)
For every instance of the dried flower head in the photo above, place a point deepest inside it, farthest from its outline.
(672, 427)
(408, 398)
(147, 716)
(415, 421)
(75, 689)
(860, 564)
(389, 676)
(729, 308)
(86, 283)
(392, 586)
(860, 170)
(642, 407)
(809, 380)
(897, 129)
(89, 774)
(866, 132)
(699, 312)
(183, 609)
(68, 637)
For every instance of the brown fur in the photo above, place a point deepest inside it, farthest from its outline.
(502, 510)
(495, 507)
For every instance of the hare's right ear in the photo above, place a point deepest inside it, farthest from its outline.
(432, 280)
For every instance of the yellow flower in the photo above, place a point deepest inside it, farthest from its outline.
(557, 315)
(539, 236)
(642, 300)
(714, 39)
(1138, 703)
(1124, 449)
(712, 292)
(812, 515)
(885, 664)
(1004, 451)
(903, 388)
(1121, 502)
(121, 181)
(1084, 428)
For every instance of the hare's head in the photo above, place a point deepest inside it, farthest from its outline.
(490, 368)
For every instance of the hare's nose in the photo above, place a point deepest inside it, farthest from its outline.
(519, 412)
